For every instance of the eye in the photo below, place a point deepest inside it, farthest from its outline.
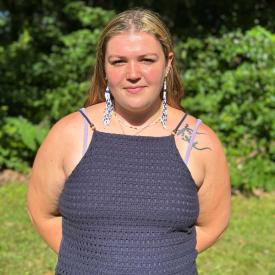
(148, 60)
(117, 62)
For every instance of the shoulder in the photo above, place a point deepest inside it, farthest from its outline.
(67, 133)
(210, 152)
(64, 129)
(209, 138)
(206, 140)
(69, 125)
(64, 138)
(207, 151)
(204, 135)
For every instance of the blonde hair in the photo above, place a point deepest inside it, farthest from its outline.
(142, 20)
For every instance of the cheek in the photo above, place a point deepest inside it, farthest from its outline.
(114, 76)
(154, 76)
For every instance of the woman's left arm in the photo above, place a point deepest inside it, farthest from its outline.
(214, 196)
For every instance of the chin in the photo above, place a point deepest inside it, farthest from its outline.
(138, 104)
(136, 108)
(135, 105)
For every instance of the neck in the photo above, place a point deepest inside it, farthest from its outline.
(138, 118)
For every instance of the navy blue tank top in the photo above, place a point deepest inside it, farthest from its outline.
(129, 207)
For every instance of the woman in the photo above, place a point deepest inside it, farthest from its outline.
(115, 188)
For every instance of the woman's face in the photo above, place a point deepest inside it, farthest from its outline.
(135, 68)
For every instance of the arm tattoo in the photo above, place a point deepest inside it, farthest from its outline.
(186, 132)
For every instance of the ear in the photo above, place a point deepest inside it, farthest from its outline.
(169, 62)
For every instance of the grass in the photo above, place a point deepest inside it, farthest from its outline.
(246, 248)
(21, 250)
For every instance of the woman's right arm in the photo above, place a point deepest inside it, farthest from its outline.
(45, 185)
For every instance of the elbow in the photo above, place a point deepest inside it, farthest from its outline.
(30, 215)
(31, 208)
(223, 230)
(224, 227)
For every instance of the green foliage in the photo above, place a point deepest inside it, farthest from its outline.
(89, 17)
(19, 141)
(64, 100)
(46, 64)
(35, 69)
(230, 84)
(40, 84)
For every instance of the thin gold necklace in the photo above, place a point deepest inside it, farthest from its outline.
(139, 129)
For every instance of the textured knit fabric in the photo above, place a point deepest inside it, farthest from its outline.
(129, 207)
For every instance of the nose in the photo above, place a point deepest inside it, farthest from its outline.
(133, 72)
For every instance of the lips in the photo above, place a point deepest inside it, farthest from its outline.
(134, 89)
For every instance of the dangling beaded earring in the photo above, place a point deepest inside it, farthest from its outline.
(164, 105)
(109, 107)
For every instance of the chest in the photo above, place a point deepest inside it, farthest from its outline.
(194, 165)
(143, 178)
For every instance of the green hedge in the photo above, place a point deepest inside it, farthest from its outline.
(229, 84)
(19, 141)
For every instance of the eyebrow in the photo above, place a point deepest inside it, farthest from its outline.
(140, 56)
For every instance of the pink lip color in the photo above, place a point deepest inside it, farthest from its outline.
(134, 90)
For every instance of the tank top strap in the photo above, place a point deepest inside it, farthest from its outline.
(85, 115)
(192, 139)
(87, 123)
(179, 124)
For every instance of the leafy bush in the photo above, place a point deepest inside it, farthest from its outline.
(230, 84)
(19, 141)
(49, 65)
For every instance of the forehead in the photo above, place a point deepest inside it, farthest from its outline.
(133, 42)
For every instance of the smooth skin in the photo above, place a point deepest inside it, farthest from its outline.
(135, 68)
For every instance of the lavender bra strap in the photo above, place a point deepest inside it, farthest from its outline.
(192, 141)
(86, 126)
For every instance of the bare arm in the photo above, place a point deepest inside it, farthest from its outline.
(45, 185)
(214, 196)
